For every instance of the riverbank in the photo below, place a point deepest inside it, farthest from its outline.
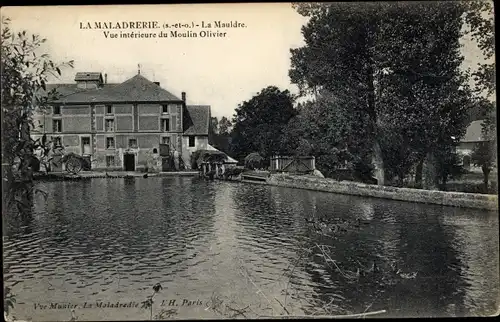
(111, 174)
(444, 198)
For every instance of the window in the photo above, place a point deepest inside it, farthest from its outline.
(109, 109)
(132, 143)
(110, 125)
(110, 160)
(57, 141)
(191, 141)
(57, 110)
(165, 140)
(110, 143)
(165, 125)
(86, 145)
(57, 126)
(164, 108)
(155, 150)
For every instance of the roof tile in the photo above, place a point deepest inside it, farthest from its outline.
(136, 89)
(198, 120)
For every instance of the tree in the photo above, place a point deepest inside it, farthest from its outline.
(214, 124)
(224, 136)
(484, 156)
(332, 60)
(219, 135)
(213, 130)
(398, 64)
(480, 19)
(24, 74)
(448, 165)
(420, 123)
(225, 126)
(323, 128)
(424, 96)
(259, 123)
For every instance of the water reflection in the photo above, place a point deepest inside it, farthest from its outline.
(112, 239)
(476, 252)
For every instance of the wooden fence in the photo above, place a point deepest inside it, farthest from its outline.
(302, 164)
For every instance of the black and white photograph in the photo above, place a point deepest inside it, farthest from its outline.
(249, 161)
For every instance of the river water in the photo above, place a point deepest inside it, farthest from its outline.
(224, 249)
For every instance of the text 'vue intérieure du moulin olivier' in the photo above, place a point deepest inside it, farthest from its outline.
(133, 29)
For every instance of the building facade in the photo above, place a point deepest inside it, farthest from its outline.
(127, 126)
(472, 137)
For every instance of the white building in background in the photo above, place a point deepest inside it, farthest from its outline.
(473, 136)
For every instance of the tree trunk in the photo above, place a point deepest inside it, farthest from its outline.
(444, 180)
(8, 178)
(486, 174)
(429, 173)
(25, 191)
(378, 162)
(418, 174)
(400, 178)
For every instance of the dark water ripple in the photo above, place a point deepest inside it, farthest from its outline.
(111, 240)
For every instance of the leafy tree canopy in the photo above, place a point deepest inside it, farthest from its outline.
(259, 122)
(25, 70)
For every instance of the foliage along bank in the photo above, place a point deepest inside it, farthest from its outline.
(25, 71)
(389, 96)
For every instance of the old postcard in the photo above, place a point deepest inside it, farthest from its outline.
(286, 160)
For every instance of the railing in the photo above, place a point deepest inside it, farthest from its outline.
(301, 164)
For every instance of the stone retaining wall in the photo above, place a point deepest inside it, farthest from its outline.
(456, 199)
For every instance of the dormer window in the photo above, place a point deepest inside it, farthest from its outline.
(88, 80)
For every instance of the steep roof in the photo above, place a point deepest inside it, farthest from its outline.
(197, 120)
(135, 89)
(474, 132)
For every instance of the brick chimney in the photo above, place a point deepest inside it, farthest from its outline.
(183, 94)
(105, 78)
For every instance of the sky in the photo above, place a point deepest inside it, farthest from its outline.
(220, 72)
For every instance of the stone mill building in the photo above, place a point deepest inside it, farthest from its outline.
(124, 126)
